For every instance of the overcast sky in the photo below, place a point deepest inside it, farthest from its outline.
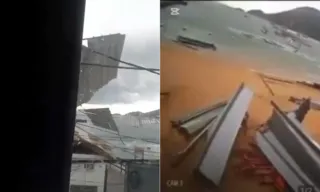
(272, 6)
(139, 20)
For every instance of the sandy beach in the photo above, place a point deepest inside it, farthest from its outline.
(196, 79)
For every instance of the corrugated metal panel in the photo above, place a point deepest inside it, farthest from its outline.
(301, 147)
(105, 144)
(182, 154)
(108, 142)
(298, 130)
(92, 78)
(93, 142)
(214, 160)
(142, 178)
(197, 113)
(202, 35)
(200, 122)
(102, 117)
(281, 160)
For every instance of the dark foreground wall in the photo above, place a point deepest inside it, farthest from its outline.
(92, 78)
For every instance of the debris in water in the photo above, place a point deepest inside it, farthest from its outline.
(313, 104)
(197, 43)
(264, 30)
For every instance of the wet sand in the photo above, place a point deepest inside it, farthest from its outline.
(195, 80)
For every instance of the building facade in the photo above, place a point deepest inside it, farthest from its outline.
(87, 177)
(90, 173)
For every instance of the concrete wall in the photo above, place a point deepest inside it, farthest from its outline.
(86, 177)
(95, 177)
(147, 178)
(92, 78)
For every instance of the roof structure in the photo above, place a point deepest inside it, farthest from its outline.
(102, 117)
(76, 156)
(118, 137)
(92, 78)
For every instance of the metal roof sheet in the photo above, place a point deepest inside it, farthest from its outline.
(291, 151)
(281, 160)
(92, 78)
(226, 127)
(200, 122)
(109, 143)
(197, 113)
(102, 117)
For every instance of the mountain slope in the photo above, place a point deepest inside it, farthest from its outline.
(305, 20)
(164, 4)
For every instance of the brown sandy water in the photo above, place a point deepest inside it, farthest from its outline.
(197, 79)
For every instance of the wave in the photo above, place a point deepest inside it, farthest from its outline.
(312, 59)
(285, 47)
(258, 37)
(313, 77)
(276, 73)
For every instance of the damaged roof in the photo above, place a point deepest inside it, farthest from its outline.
(92, 78)
(102, 117)
(116, 136)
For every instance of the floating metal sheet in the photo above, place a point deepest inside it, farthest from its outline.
(201, 121)
(182, 154)
(291, 151)
(295, 126)
(214, 160)
(297, 143)
(195, 42)
(197, 113)
(195, 36)
(314, 104)
(281, 160)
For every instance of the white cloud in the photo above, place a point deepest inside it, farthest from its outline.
(139, 20)
(142, 106)
(125, 16)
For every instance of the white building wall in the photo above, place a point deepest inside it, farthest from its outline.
(86, 177)
(90, 177)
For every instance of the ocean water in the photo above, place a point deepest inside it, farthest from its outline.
(237, 32)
